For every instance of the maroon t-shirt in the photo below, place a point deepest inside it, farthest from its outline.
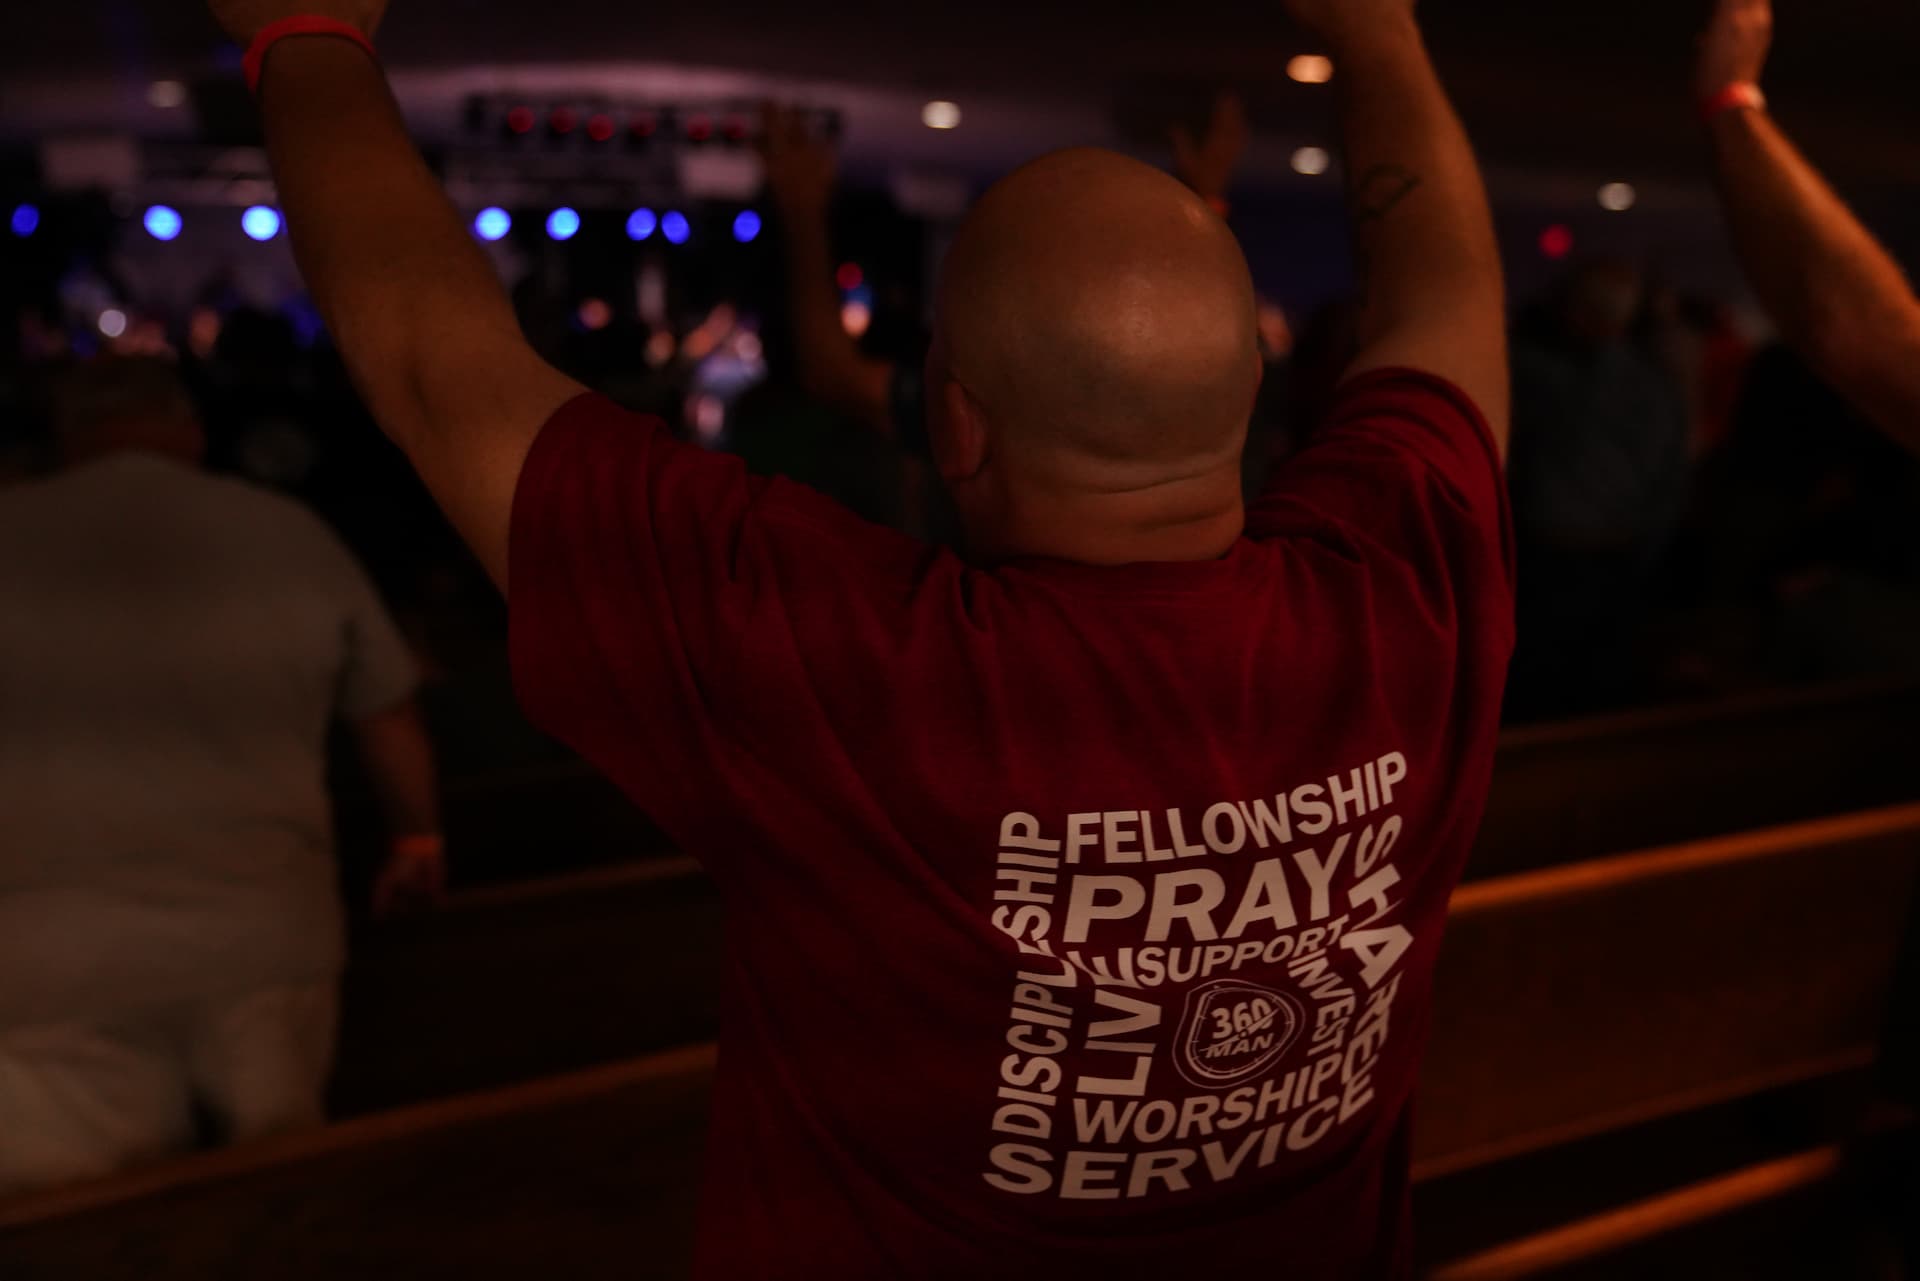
(1081, 921)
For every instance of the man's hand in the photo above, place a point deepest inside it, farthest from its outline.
(1734, 48)
(1340, 21)
(415, 308)
(801, 166)
(1207, 166)
(414, 879)
(1838, 296)
(801, 169)
(245, 19)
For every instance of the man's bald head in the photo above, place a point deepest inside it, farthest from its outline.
(1103, 320)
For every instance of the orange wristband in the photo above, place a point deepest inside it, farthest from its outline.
(1740, 95)
(308, 24)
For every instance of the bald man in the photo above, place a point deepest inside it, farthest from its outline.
(801, 164)
(1083, 894)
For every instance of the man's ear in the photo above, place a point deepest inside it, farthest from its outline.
(961, 450)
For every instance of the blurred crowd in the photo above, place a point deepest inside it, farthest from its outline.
(1697, 514)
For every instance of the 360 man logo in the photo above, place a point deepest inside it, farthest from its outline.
(1232, 1030)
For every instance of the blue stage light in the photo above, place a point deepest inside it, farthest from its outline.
(642, 224)
(260, 223)
(493, 224)
(163, 223)
(26, 221)
(676, 228)
(563, 224)
(746, 226)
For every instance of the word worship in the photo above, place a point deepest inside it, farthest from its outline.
(1205, 993)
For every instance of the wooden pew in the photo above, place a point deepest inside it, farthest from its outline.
(1565, 1203)
(1656, 985)
(1560, 792)
(592, 1175)
(517, 982)
(620, 960)
(1625, 996)
(1584, 788)
(1802, 1215)
(512, 983)
(1728, 966)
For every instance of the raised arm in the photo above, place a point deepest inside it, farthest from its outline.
(1432, 296)
(1838, 297)
(415, 307)
(1207, 163)
(832, 368)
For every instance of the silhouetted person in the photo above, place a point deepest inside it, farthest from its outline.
(1814, 521)
(1083, 897)
(1601, 460)
(173, 648)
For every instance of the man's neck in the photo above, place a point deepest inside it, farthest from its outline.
(1196, 520)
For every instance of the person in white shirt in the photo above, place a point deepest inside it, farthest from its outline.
(173, 649)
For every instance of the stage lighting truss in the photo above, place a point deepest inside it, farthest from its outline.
(530, 182)
(609, 126)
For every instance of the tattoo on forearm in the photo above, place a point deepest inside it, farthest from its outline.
(1378, 191)
(1375, 194)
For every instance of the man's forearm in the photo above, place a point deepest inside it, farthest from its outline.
(1423, 232)
(1837, 296)
(388, 260)
(1421, 223)
(831, 366)
(398, 756)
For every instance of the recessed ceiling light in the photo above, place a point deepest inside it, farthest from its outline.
(940, 115)
(1310, 69)
(1311, 161)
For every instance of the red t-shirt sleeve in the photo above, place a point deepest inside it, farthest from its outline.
(1404, 468)
(652, 591)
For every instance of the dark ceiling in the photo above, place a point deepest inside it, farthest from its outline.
(1552, 83)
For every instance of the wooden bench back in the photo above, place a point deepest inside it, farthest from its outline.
(1590, 997)
(591, 1175)
(1570, 1003)
(512, 984)
(1561, 792)
(1583, 789)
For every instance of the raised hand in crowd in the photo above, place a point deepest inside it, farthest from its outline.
(245, 19)
(801, 169)
(1207, 164)
(1839, 298)
(801, 163)
(1733, 50)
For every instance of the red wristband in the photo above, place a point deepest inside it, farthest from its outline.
(307, 24)
(1741, 94)
(419, 845)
